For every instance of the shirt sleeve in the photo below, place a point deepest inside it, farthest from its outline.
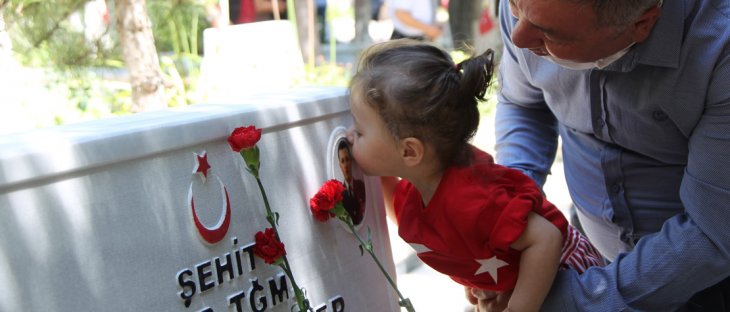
(692, 250)
(526, 130)
(521, 197)
(401, 4)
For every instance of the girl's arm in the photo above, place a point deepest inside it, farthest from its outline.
(541, 244)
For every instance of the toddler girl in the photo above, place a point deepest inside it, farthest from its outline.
(482, 224)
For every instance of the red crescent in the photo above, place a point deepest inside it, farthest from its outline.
(213, 235)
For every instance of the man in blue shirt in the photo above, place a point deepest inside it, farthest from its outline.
(639, 93)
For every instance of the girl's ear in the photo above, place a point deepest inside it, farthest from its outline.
(412, 151)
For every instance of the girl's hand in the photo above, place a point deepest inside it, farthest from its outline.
(487, 301)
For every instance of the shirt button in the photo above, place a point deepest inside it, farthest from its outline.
(616, 188)
(659, 115)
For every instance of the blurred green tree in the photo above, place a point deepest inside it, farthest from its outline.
(73, 37)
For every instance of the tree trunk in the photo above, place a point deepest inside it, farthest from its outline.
(6, 45)
(462, 16)
(363, 15)
(308, 41)
(140, 55)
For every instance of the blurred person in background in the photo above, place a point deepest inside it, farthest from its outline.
(245, 11)
(414, 19)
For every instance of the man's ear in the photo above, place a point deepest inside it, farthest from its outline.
(412, 151)
(642, 27)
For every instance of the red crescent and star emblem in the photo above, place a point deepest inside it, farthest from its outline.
(217, 232)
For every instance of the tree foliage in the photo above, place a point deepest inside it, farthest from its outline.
(55, 33)
(77, 42)
(46, 33)
(178, 25)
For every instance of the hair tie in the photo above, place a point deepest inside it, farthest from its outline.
(457, 68)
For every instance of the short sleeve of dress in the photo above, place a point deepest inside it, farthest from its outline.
(520, 196)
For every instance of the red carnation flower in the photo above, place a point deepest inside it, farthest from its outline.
(244, 138)
(326, 199)
(268, 246)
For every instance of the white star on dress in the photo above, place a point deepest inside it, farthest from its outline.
(490, 266)
(420, 248)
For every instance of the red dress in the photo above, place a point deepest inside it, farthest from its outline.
(476, 213)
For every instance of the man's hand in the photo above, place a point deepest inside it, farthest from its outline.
(487, 301)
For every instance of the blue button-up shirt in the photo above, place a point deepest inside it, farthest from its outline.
(646, 150)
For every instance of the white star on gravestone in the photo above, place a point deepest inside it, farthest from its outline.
(490, 266)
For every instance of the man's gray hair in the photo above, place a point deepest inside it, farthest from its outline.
(618, 13)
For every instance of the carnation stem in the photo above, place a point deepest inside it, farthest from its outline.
(269, 213)
(302, 302)
(404, 302)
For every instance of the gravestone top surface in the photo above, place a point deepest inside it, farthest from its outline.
(111, 139)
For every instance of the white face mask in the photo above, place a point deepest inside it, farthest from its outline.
(600, 64)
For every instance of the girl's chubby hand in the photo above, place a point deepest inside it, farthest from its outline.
(487, 301)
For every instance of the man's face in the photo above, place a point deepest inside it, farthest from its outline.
(565, 30)
(345, 163)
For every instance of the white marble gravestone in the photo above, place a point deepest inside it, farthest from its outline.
(97, 216)
(250, 58)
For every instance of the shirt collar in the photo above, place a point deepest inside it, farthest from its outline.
(662, 47)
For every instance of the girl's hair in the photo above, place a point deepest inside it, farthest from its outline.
(420, 92)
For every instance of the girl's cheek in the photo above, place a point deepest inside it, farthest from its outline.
(355, 153)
